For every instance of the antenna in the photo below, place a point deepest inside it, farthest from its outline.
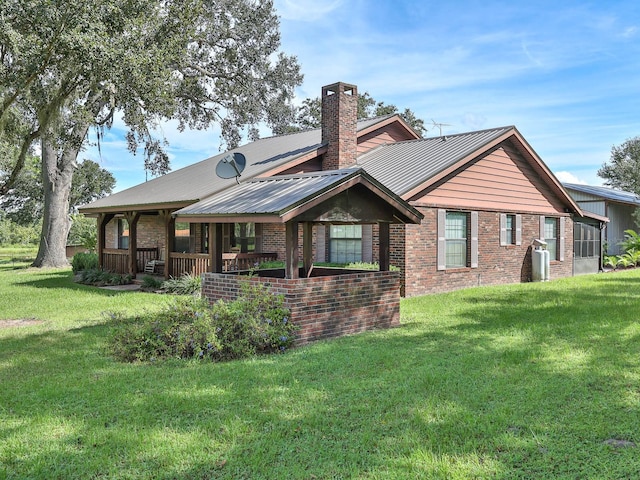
(440, 125)
(231, 166)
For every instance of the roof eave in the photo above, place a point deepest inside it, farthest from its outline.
(141, 207)
(387, 121)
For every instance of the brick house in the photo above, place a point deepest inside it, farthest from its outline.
(484, 197)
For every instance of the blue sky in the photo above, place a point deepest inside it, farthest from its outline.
(566, 74)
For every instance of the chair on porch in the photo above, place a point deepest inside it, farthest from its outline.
(154, 266)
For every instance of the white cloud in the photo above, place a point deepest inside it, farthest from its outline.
(568, 177)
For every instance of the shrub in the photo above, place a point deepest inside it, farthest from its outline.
(187, 284)
(150, 283)
(84, 261)
(271, 264)
(255, 323)
(182, 330)
(610, 261)
(631, 241)
(100, 278)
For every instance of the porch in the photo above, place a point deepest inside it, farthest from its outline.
(118, 261)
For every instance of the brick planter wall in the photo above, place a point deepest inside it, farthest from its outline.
(326, 306)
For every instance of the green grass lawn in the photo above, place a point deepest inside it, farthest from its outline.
(521, 381)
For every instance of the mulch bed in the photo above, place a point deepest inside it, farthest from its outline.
(21, 322)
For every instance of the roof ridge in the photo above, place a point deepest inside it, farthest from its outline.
(317, 173)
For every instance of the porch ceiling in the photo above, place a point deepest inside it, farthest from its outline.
(349, 195)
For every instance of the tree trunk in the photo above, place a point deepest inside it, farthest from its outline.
(57, 174)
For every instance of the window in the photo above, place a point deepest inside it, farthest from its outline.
(551, 236)
(345, 243)
(184, 240)
(552, 232)
(123, 234)
(510, 229)
(456, 240)
(244, 237)
(586, 240)
(204, 238)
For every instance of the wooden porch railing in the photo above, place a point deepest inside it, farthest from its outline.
(114, 260)
(198, 263)
(245, 261)
(144, 256)
(117, 261)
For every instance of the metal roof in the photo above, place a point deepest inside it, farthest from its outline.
(280, 195)
(606, 193)
(404, 165)
(199, 180)
(268, 195)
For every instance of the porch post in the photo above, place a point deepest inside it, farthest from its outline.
(215, 247)
(307, 247)
(384, 246)
(103, 220)
(291, 247)
(169, 236)
(132, 220)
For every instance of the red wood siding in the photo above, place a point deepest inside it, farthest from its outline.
(502, 180)
(313, 165)
(388, 134)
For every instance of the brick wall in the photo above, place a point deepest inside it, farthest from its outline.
(496, 264)
(325, 307)
(150, 233)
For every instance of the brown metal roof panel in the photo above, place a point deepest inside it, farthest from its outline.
(266, 195)
(606, 193)
(401, 166)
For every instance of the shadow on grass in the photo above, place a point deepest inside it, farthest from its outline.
(64, 280)
(519, 386)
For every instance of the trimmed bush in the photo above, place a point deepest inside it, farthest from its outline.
(84, 261)
(191, 328)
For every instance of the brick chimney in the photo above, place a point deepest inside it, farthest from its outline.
(339, 125)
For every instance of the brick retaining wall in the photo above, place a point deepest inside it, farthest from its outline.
(325, 306)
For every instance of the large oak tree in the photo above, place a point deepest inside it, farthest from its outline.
(67, 66)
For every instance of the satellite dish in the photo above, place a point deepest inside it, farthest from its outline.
(231, 165)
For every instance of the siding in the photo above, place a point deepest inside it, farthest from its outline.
(502, 180)
(620, 219)
(388, 134)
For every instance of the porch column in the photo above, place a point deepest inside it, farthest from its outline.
(102, 221)
(291, 247)
(307, 247)
(384, 246)
(215, 247)
(169, 237)
(132, 219)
